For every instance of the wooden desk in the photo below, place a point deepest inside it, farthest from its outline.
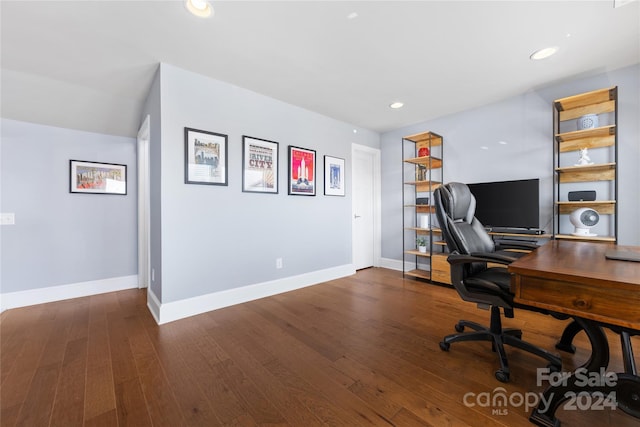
(575, 278)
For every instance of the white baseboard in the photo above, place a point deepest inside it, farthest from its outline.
(153, 304)
(392, 264)
(175, 310)
(395, 264)
(58, 293)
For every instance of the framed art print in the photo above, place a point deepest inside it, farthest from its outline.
(205, 157)
(333, 176)
(302, 171)
(259, 165)
(97, 178)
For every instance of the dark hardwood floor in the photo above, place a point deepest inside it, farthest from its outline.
(362, 350)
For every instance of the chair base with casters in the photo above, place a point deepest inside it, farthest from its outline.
(499, 337)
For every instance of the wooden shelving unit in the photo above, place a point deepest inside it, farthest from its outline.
(589, 173)
(602, 206)
(422, 175)
(602, 139)
(424, 186)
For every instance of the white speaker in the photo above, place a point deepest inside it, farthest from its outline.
(583, 219)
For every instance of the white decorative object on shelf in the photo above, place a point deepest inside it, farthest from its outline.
(584, 159)
(424, 221)
(588, 121)
(583, 219)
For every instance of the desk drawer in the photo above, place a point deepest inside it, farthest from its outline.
(589, 301)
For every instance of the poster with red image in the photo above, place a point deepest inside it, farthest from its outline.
(302, 171)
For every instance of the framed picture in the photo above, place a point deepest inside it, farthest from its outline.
(333, 176)
(259, 165)
(97, 178)
(302, 171)
(205, 157)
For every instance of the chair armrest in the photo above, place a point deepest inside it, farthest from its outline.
(515, 244)
(456, 258)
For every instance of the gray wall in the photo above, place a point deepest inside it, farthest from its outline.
(209, 238)
(61, 238)
(215, 237)
(525, 123)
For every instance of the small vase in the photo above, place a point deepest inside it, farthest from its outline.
(423, 152)
(422, 249)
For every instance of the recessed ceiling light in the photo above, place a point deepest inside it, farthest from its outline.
(544, 53)
(352, 15)
(355, 131)
(396, 105)
(200, 8)
(484, 147)
(502, 142)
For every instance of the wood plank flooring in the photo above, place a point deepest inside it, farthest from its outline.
(358, 351)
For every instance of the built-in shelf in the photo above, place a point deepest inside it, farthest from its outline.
(424, 230)
(588, 238)
(424, 186)
(587, 173)
(418, 253)
(422, 208)
(595, 102)
(604, 136)
(426, 161)
(425, 138)
(605, 207)
(602, 103)
(422, 157)
(522, 235)
(421, 274)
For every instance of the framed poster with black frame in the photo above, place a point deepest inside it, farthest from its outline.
(333, 176)
(302, 171)
(205, 157)
(259, 165)
(97, 177)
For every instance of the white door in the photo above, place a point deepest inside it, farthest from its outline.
(143, 204)
(366, 179)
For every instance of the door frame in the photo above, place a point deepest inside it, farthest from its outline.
(144, 242)
(377, 201)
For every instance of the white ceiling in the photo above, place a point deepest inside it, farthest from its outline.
(89, 64)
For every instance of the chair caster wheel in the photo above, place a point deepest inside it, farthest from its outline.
(459, 327)
(444, 346)
(502, 376)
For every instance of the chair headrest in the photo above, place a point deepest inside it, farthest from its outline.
(459, 202)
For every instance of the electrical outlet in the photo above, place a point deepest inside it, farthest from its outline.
(7, 218)
(278, 262)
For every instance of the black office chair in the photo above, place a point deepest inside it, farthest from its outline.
(471, 249)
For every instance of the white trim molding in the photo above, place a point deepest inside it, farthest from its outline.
(144, 249)
(176, 310)
(391, 264)
(62, 292)
(153, 304)
(395, 264)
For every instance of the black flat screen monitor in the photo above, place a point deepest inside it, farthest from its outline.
(508, 203)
